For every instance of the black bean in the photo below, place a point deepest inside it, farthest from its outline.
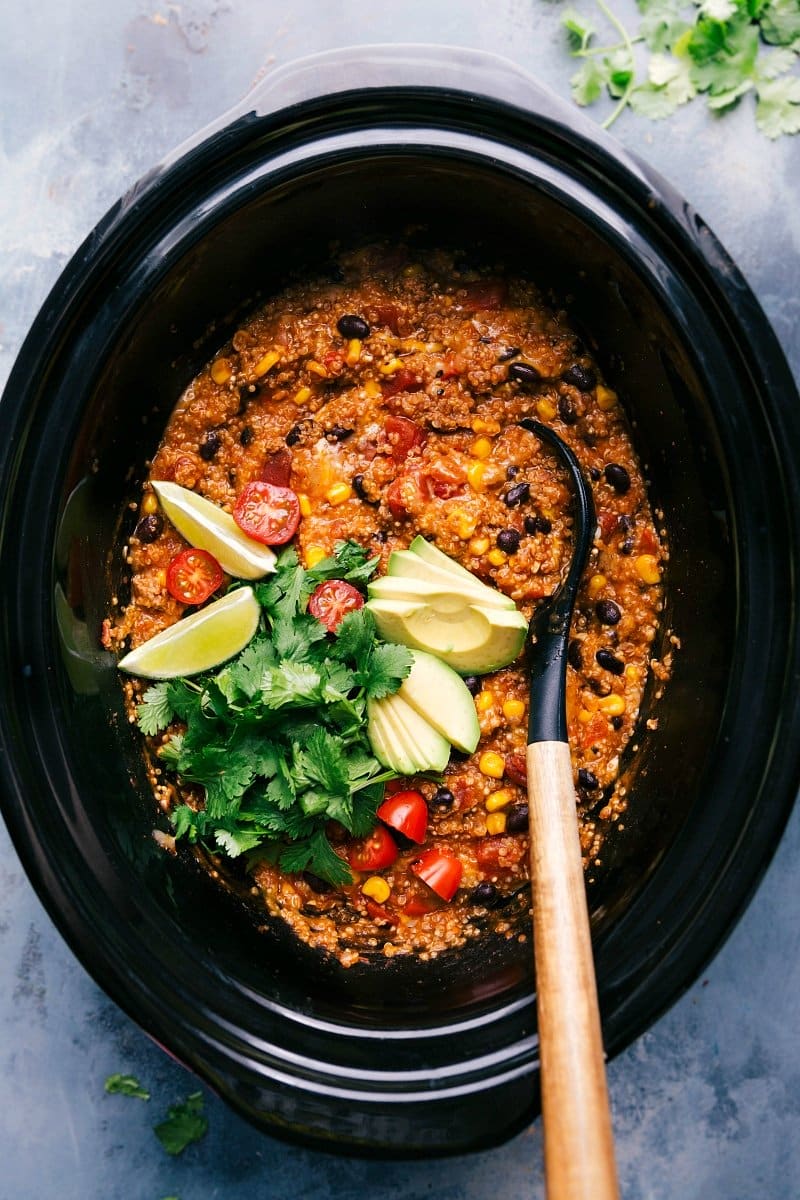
(627, 546)
(617, 722)
(352, 326)
(149, 528)
(320, 886)
(567, 410)
(517, 818)
(525, 373)
(618, 477)
(575, 654)
(538, 525)
(380, 535)
(608, 613)
(520, 493)
(594, 474)
(443, 798)
(512, 472)
(473, 683)
(507, 354)
(509, 540)
(338, 433)
(587, 780)
(610, 662)
(295, 434)
(246, 394)
(583, 378)
(247, 435)
(625, 522)
(484, 894)
(209, 445)
(361, 491)
(599, 686)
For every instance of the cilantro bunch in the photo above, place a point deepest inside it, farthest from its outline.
(719, 48)
(277, 737)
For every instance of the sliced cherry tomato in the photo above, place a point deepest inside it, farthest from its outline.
(193, 576)
(420, 900)
(394, 786)
(277, 469)
(404, 435)
(485, 293)
(404, 380)
(267, 513)
(373, 852)
(332, 600)
(406, 812)
(381, 914)
(441, 872)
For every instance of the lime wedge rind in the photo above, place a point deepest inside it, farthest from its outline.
(206, 526)
(199, 642)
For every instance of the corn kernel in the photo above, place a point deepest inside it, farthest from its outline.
(606, 397)
(499, 799)
(465, 527)
(481, 426)
(305, 504)
(376, 888)
(497, 557)
(475, 474)
(496, 823)
(492, 764)
(266, 363)
(301, 395)
(479, 546)
(353, 352)
(149, 504)
(631, 671)
(596, 584)
(221, 370)
(338, 493)
(514, 710)
(389, 368)
(481, 447)
(584, 716)
(316, 368)
(484, 700)
(315, 554)
(372, 389)
(647, 568)
(545, 409)
(613, 705)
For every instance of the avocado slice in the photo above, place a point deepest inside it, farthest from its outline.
(437, 558)
(471, 639)
(386, 747)
(424, 744)
(403, 564)
(439, 695)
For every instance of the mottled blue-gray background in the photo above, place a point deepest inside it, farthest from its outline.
(706, 1104)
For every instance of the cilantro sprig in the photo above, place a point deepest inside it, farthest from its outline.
(722, 49)
(184, 1123)
(277, 737)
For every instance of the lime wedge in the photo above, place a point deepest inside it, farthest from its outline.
(206, 526)
(197, 643)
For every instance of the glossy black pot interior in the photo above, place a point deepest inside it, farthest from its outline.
(404, 1056)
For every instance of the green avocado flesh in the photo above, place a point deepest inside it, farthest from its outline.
(472, 640)
(413, 569)
(439, 695)
(437, 558)
(403, 740)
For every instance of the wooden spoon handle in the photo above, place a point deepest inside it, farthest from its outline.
(578, 1139)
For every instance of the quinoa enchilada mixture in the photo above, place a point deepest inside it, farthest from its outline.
(377, 413)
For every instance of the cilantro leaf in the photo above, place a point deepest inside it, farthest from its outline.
(183, 1124)
(579, 30)
(778, 108)
(126, 1085)
(349, 562)
(588, 82)
(668, 86)
(155, 712)
(780, 22)
(317, 855)
(385, 669)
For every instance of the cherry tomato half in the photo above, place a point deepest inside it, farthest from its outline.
(441, 872)
(373, 852)
(193, 575)
(267, 513)
(404, 435)
(406, 812)
(332, 600)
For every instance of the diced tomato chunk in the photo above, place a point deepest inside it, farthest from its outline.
(386, 314)
(648, 542)
(593, 731)
(485, 293)
(608, 522)
(420, 900)
(446, 479)
(333, 362)
(404, 436)
(404, 380)
(516, 769)
(499, 852)
(277, 468)
(453, 365)
(406, 493)
(381, 914)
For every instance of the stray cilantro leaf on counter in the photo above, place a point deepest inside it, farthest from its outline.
(722, 49)
(277, 737)
(126, 1085)
(183, 1124)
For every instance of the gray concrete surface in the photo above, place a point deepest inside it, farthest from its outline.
(707, 1103)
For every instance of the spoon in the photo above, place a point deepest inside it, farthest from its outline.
(578, 1139)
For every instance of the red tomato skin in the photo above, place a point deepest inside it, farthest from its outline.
(516, 769)
(277, 469)
(381, 914)
(420, 900)
(193, 576)
(406, 812)
(404, 436)
(404, 380)
(440, 871)
(489, 851)
(407, 492)
(374, 852)
(332, 600)
(387, 314)
(267, 513)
